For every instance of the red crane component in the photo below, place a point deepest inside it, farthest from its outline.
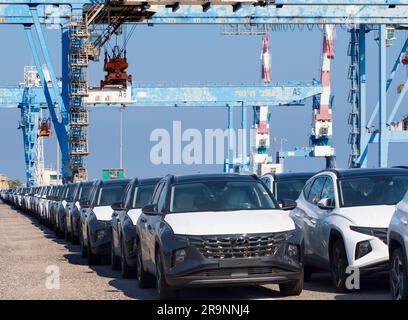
(404, 59)
(116, 66)
(44, 128)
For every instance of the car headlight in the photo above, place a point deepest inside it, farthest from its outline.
(380, 233)
(179, 256)
(363, 248)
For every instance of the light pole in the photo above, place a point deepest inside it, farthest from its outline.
(281, 151)
(121, 109)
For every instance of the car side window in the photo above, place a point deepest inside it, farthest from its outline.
(157, 193)
(266, 180)
(306, 189)
(328, 191)
(316, 190)
(162, 198)
(128, 195)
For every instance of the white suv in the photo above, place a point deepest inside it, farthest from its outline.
(344, 215)
(398, 249)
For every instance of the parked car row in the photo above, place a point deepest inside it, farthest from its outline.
(222, 229)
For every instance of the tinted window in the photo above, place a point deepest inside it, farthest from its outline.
(110, 193)
(328, 191)
(84, 192)
(157, 193)
(374, 190)
(316, 190)
(306, 189)
(289, 189)
(220, 196)
(143, 196)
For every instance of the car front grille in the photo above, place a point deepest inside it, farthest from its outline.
(241, 246)
(236, 272)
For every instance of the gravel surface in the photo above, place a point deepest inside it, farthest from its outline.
(28, 249)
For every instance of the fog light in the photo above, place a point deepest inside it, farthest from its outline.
(363, 248)
(293, 251)
(179, 256)
(100, 234)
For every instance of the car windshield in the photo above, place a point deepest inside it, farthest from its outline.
(142, 196)
(71, 191)
(110, 194)
(220, 195)
(373, 190)
(84, 192)
(289, 189)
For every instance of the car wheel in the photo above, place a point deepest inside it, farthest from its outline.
(115, 260)
(67, 235)
(398, 276)
(308, 272)
(163, 289)
(84, 251)
(93, 259)
(127, 270)
(145, 279)
(338, 265)
(292, 288)
(74, 239)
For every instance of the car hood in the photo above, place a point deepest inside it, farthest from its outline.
(134, 215)
(103, 213)
(368, 216)
(230, 222)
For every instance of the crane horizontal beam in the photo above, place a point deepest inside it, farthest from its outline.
(149, 96)
(226, 14)
(218, 2)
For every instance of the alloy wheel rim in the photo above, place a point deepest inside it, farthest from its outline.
(397, 278)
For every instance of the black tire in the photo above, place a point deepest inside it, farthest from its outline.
(67, 234)
(292, 288)
(126, 270)
(74, 239)
(308, 272)
(398, 275)
(144, 279)
(164, 291)
(93, 259)
(338, 265)
(115, 260)
(84, 251)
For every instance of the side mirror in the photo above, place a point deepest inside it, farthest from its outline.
(325, 204)
(288, 204)
(85, 204)
(150, 210)
(117, 206)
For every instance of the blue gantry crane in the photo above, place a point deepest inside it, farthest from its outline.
(87, 24)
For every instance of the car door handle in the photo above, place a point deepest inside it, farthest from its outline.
(404, 221)
(312, 220)
(297, 215)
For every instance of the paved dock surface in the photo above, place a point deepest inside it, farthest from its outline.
(30, 256)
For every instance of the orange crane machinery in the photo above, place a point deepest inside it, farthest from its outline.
(44, 128)
(115, 66)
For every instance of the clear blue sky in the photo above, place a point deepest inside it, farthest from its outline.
(200, 53)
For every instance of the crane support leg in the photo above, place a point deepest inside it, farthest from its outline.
(383, 133)
(60, 127)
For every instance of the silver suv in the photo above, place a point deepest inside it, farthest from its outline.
(398, 249)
